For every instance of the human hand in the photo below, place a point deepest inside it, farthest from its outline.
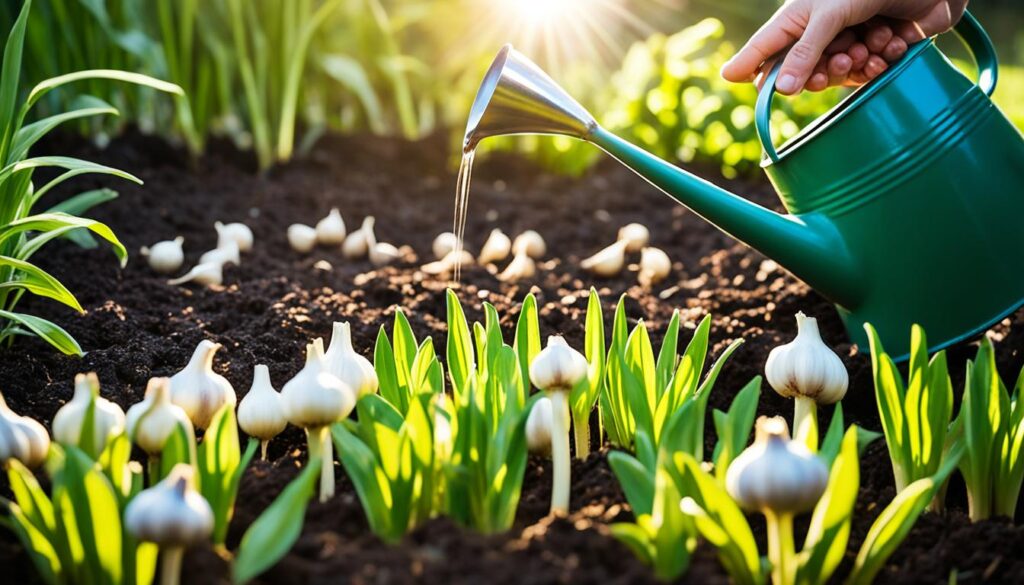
(839, 42)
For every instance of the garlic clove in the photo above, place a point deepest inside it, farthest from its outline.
(608, 262)
(636, 235)
(315, 398)
(22, 438)
(302, 238)
(204, 274)
(341, 360)
(806, 367)
(198, 390)
(522, 266)
(558, 367)
(108, 418)
(261, 411)
(239, 233)
(531, 243)
(358, 243)
(655, 266)
(227, 254)
(171, 513)
(776, 474)
(539, 426)
(444, 244)
(496, 248)
(151, 422)
(382, 254)
(330, 231)
(165, 257)
(447, 264)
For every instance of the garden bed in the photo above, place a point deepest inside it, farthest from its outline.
(136, 326)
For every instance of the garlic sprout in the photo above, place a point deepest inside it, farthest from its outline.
(151, 422)
(108, 418)
(330, 231)
(444, 244)
(302, 238)
(174, 516)
(205, 274)
(165, 257)
(239, 233)
(22, 438)
(556, 370)
(357, 244)
(530, 243)
(808, 371)
(261, 411)
(200, 391)
(496, 248)
(341, 360)
(608, 262)
(522, 266)
(654, 266)
(447, 264)
(382, 254)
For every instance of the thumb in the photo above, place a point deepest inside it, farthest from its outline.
(799, 63)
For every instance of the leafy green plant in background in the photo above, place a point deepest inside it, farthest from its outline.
(23, 233)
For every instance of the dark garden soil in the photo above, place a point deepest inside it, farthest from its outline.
(136, 326)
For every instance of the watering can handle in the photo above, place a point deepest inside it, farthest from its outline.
(968, 29)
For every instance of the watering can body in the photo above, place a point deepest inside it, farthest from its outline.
(904, 201)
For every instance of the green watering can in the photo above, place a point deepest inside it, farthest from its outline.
(905, 201)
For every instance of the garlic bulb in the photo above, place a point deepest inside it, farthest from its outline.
(776, 474)
(173, 515)
(358, 243)
(654, 266)
(108, 418)
(200, 391)
(22, 438)
(522, 266)
(382, 254)
(445, 243)
(341, 360)
(636, 235)
(302, 238)
(239, 233)
(151, 422)
(558, 366)
(496, 248)
(807, 367)
(448, 263)
(609, 261)
(205, 274)
(531, 243)
(261, 411)
(539, 426)
(330, 231)
(165, 257)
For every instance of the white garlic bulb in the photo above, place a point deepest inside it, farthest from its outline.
(22, 438)
(171, 513)
(358, 243)
(447, 264)
(806, 367)
(261, 411)
(108, 418)
(314, 397)
(151, 422)
(776, 474)
(351, 368)
(530, 243)
(636, 235)
(239, 233)
(539, 426)
(558, 367)
(654, 266)
(444, 244)
(330, 231)
(205, 274)
(496, 248)
(522, 266)
(165, 257)
(227, 254)
(608, 262)
(200, 391)
(382, 254)
(302, 238)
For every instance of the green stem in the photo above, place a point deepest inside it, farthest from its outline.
(317, 450)
(781, 551)
(581, 434)
(170, 565)
(805, 422)
(560, 452)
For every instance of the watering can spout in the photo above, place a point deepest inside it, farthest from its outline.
(517, 97)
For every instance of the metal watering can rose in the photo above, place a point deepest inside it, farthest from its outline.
(903, 201)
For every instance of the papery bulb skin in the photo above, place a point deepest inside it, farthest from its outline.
(151, 422)
(261, 411)
(358, 243)
(302, 238)
(22, 438)
(342, 360)
(330, 231)
(496, 248)
(558, 367)
(165, 257)
(539, 426)
(445, 243)
(636, 236)
(806, 367)
(316, 398)
(776, 474)
(200, 391)
(239, 233)
(211, 273)
(171, 513)
(655, 266)
(608, 262)
(228, 254)
(108, 418)
(530, 243)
